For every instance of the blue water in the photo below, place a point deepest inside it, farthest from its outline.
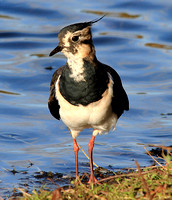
(135, 38)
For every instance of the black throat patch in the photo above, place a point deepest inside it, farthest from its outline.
(84, 92)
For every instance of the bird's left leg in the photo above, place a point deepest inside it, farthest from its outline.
(90, 150)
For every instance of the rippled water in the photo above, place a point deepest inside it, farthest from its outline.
(135, 38)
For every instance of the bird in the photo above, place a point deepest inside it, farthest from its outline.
(85, 93)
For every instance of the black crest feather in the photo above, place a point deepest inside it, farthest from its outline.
(79, 26)
(95, 20)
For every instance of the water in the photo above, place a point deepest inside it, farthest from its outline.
(135, 38)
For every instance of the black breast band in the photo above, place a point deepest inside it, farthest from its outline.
(84, 92)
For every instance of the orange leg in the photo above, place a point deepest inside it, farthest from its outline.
(90, 150)
(76, 149)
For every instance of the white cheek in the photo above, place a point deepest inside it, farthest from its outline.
(66, 39)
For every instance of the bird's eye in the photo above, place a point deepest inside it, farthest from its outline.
(75, 38)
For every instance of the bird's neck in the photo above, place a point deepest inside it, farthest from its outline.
(77, 65)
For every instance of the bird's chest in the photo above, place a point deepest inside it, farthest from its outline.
(85, 91)
(95, 115)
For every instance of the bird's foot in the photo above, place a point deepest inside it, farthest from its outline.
(93, 180)
(77, 180)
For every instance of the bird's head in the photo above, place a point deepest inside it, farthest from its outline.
(76, 40)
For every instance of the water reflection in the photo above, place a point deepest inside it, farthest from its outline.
(113, 14)
(159, 46)
(7, 92)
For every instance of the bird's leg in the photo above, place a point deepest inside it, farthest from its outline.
(90, 150)
(76, 149)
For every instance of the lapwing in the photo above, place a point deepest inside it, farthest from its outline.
(85, 93)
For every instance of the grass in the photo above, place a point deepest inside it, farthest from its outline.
(156, 184)
(153, 182)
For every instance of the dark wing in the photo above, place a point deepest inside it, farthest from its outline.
(120, 100)
(53, 104)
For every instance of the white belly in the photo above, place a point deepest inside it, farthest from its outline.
(97, 115)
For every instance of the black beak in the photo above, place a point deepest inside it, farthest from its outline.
(56, 50)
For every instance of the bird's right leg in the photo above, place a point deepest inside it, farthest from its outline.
(76, 149)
